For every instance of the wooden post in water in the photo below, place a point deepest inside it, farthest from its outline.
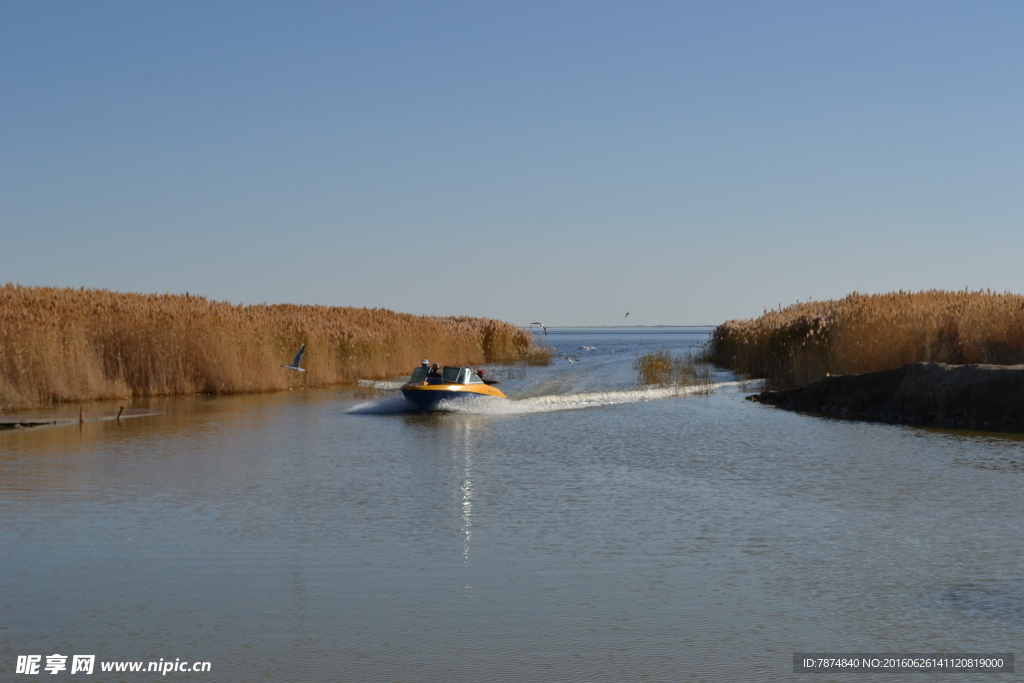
(119, 411)
(81, 415)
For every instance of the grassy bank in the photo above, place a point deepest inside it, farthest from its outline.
(72, 345)
(802, 343)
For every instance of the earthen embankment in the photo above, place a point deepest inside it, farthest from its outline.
(986, 397)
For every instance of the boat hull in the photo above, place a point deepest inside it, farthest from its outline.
(435, 397)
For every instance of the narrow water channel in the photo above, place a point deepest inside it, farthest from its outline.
(587, 530)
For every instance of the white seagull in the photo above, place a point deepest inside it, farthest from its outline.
(541, 327)
(298, 359)
(571, 360)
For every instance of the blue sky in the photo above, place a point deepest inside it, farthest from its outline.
(563, 162)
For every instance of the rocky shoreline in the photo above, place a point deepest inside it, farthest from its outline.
(985, 397)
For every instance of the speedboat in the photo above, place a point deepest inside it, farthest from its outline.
(455, 383)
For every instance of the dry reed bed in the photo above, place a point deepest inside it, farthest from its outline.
(802, 343)
(72, 345)
(661, 368)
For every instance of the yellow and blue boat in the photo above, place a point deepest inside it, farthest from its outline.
(429, 393)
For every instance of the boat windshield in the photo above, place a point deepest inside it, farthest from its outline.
(419, 375)
(460, 376)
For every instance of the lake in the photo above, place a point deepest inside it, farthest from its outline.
(587, 530)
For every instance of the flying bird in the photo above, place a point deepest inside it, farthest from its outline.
(586, 348)
(541, 327)
(295, 362)
(627, 315)
(571, 360)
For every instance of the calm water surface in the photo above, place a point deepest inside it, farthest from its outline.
(587, 531)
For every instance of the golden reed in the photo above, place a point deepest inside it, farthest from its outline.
(80, 344)
(663, 369)
(799, 344)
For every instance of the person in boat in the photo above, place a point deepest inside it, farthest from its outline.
(420, 374)
(434, 371)
(489, 382)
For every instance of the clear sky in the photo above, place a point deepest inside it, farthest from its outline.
(553, 161)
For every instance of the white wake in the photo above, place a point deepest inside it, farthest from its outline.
(395, 403)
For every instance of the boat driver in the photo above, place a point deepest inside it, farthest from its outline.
(434, 371)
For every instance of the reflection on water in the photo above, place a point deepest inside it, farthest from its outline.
(284, 537)
(466, 490)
